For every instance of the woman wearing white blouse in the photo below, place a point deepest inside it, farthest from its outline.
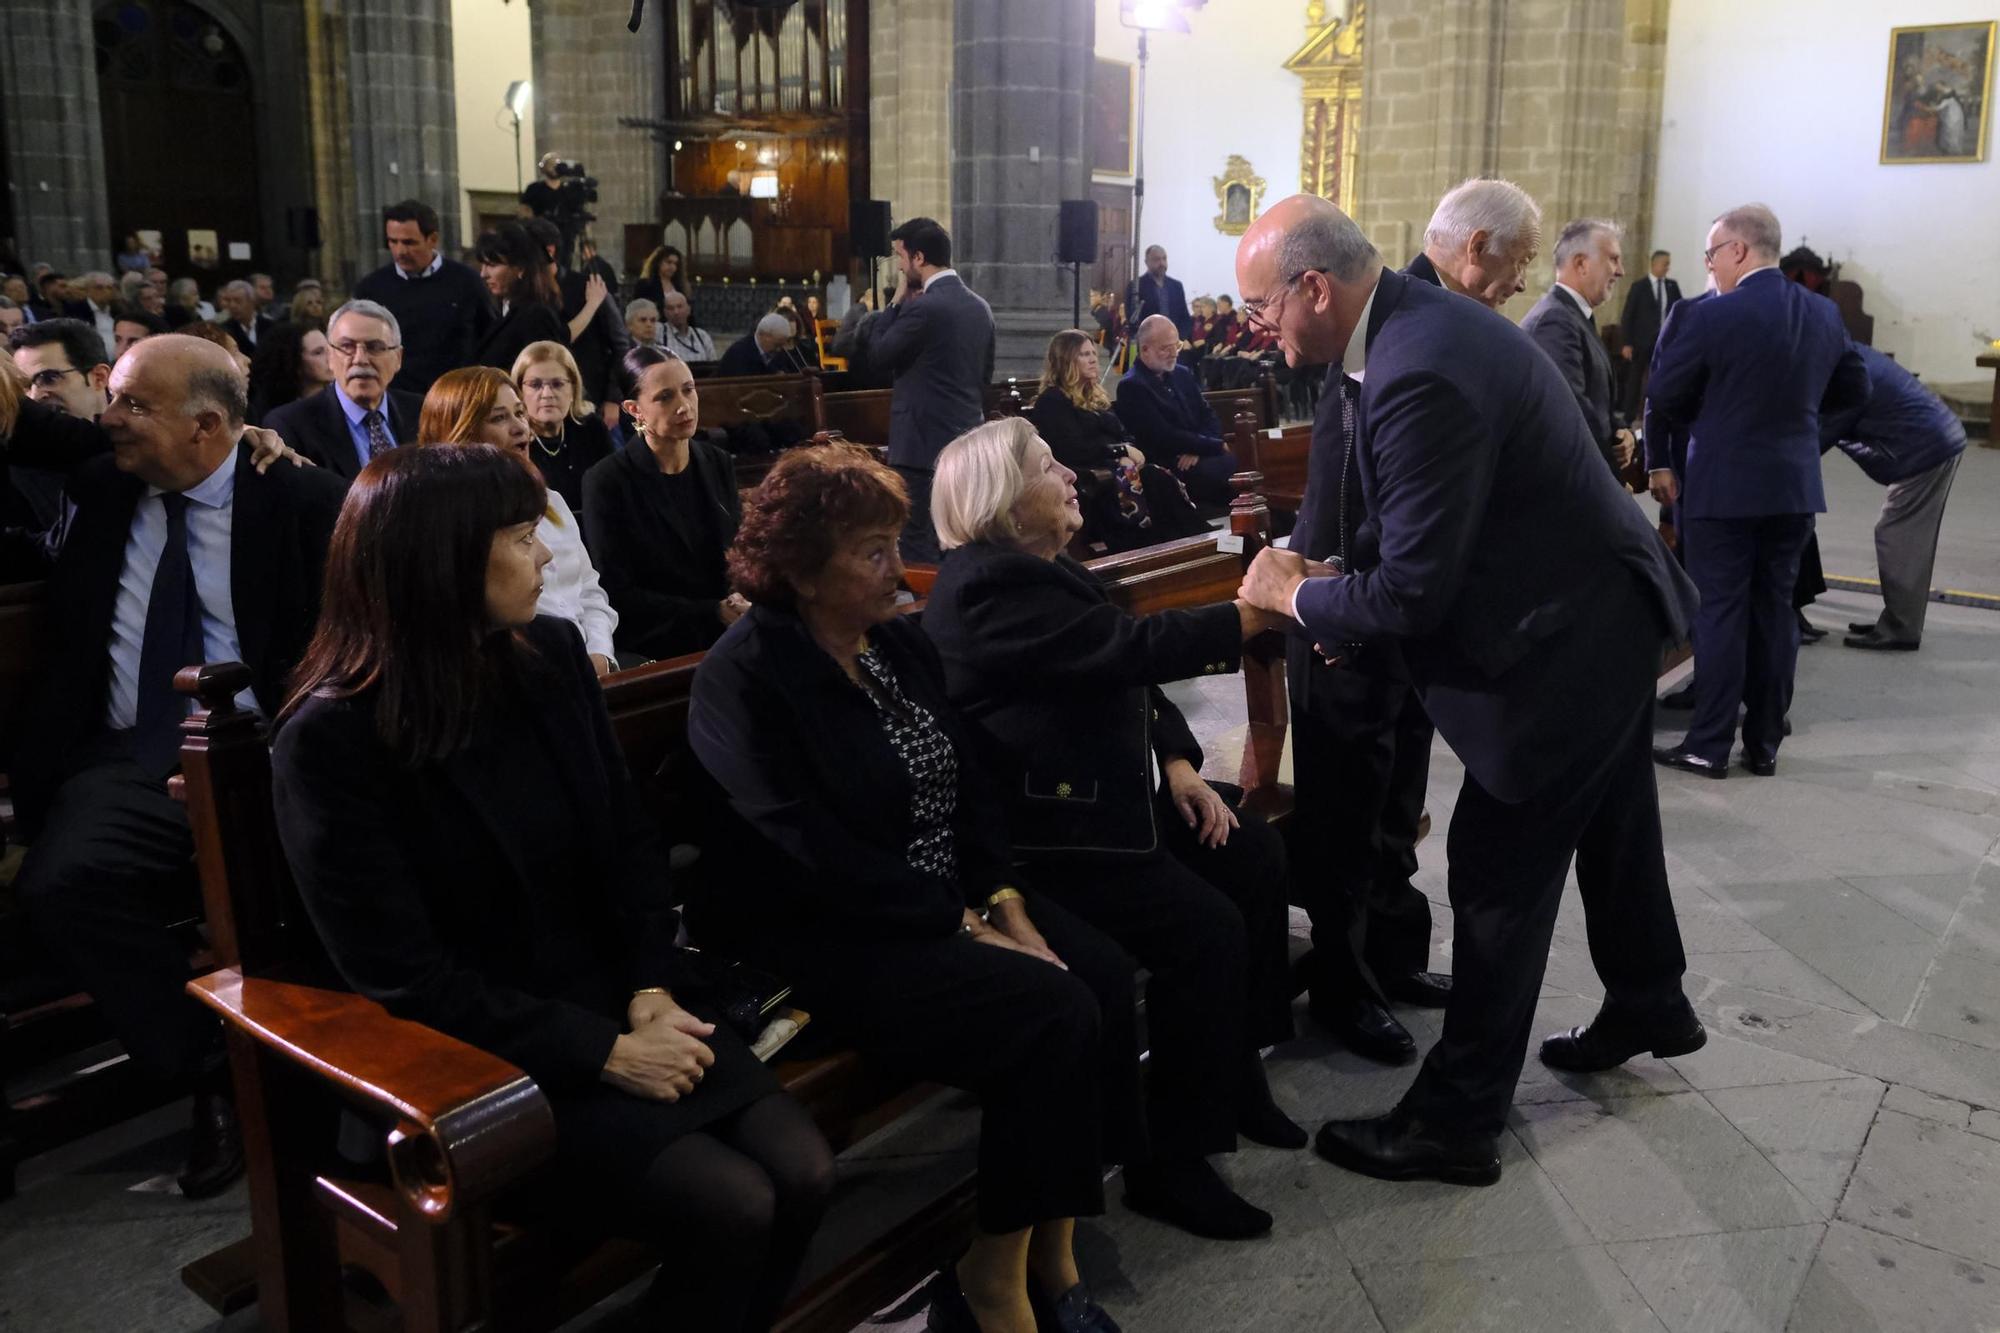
(478, 405)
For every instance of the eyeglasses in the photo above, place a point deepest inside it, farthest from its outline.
(544, 386)
(1708, 255)
(1262, 315)
(348, 347)
(49, 379)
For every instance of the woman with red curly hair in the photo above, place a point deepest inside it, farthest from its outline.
(870, 868)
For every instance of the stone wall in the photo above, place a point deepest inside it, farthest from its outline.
(54, 134)
(1560, 96)
(909, 106)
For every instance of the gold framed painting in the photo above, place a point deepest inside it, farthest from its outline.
(1940, 80)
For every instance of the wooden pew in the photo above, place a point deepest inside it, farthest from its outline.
(460, 1128)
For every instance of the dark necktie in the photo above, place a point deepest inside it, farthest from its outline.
(173, 641)
(378, 433)
(1350, 487)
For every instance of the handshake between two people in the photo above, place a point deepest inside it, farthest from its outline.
(1270, 584)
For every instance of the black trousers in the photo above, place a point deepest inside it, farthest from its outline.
(1361, 763)
(1208, 925)
(1746, 635)
(1508, 864)
(919, 541)
(99, 886)
(1207, 481)
(1051, 1054)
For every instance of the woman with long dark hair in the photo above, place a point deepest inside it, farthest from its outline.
(522, 282)
(660, 274)
(470, 848)
(291, 362)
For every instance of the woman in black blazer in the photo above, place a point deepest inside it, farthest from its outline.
(468, 844)
(870, 871)
(524, 290)
(1105, 800)
(1142, 504)
(659, 515)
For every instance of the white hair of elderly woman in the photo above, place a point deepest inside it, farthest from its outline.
(978, 481)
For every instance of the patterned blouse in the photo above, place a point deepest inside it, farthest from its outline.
(932, 763)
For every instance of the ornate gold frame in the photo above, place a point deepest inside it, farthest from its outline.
(1985, 95)
(1237, 173)
(1329, 70)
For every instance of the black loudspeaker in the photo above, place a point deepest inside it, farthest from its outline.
(868, 228)
(1078, 232)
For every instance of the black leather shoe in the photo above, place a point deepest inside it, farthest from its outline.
(1876, 643)
(1367, 1029)
(1861, 626)
(1612, 1038)
(215, 1148)
(1425, 990)
(1071, 1312)
(1764, 766)
(1676, 757)
(1679, 700)
(1392, 1147)
(1809, 632)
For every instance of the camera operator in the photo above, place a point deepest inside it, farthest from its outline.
(562, 194)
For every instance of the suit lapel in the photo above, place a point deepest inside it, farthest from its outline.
(336, 442)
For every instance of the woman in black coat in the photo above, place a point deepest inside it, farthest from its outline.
(659, 515)
(569, 435)
(869, 870)
(469, 846)
(1141, 504)
(1105, 799)
(524, 289)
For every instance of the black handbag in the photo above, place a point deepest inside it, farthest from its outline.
(739, 995)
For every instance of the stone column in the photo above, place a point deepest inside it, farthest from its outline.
(1560, 96)
(403, 113)
(909, 106)
(1020, 75)
(589, 71)
(54, 134)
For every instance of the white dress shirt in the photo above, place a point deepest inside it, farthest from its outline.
(107, 326)
(1353, 364)
(569, 581)
(210, 520)
(941, 273)
(1589, 311)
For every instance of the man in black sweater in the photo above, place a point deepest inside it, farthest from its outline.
(440, 304)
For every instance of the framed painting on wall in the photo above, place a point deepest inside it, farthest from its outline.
(1111, 93)
(1940, 79)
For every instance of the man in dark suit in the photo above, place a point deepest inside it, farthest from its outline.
(1564, 325)
(1154, 293)
(1161, 403)
(1748, 375)
(1648, 302)
(936, 339)
(358, 415)
(240, 318)
(760, 351)
(179, 551)
(441, 305)
(1532, 603)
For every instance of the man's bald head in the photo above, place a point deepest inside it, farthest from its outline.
(1159, 343)
(176, 412)
(1305, 270)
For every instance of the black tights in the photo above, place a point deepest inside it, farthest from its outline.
(735, 1204)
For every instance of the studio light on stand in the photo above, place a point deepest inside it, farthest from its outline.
(516, 104)
(1149, 17)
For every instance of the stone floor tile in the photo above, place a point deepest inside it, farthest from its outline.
(1911, 1101)
(1864, 1281)
(1318, 1301)
(107, 1275)
(1812, 1132)
(1887, 978)
(1730, 1062)
(1960, 998)
(1986, 1124)
(1644, 1167)
(1931, 1184)
(1581, 1290)
(1381, 1221)
(1827, 912)
(1741, 1282)
(1772, 970)
(1929, 901)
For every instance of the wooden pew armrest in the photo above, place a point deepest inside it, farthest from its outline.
(465, 1123)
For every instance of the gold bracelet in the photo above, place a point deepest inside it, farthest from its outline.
(649, 990)
(1005, 894)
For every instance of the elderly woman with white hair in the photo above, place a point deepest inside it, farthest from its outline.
(1106, 803)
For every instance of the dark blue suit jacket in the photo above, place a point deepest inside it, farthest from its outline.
(1166, 297)
(1530, 596)
(1902, 430)
(1167, 415)
(939, 348)
(1666, 443)
(1748, 375)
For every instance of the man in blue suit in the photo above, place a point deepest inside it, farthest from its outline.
(1154, 293)
(1905, 438)
(1160, 402)
(1531, 602)
(1747, 375)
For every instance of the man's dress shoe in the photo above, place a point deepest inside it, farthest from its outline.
(1686, 762)
(1763, 765)
(1679, 700)
(1366, 1028)
(1425, 990)
(1612, 1038)
(1861, 626)
(1396, 1147)
(1809, 632)
(1874, 642)
(215, 1147)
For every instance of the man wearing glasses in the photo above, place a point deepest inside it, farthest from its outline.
(66, 366)
(358, 415)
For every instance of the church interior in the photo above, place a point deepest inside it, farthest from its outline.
(1825, 1160)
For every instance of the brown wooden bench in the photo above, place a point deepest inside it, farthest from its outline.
(460, 1128)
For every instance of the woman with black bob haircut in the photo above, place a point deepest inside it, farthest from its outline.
(522, 282)
(468, 843)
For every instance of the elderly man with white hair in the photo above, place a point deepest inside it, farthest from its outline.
(1480, 241)
(762, 351)
(1160, 402)
(243, 323)
(1564, 325)
(357, 416)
